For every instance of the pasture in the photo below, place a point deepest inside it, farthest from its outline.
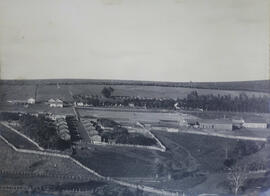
(26, 162)
(154, 91)
(66, 91)
(189, 161)
(15, 139)
(16, 92)
(137, 116)
(46, 92)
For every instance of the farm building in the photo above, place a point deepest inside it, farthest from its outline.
(58, 103)
(190, 122)
(219, 124)
(63, 126)
(255, 122)
(31, 101)
(237, 122)
(95, 138)
(173, 123)
(79, 104)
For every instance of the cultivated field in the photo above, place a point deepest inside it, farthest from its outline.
(37, 108)
(154, 91)
(66, 91)
(25, 162)
(137, 116)
(15, 139)
(46, 92)
(190, 160)
(16, 92)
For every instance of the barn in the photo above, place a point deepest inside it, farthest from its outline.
(218, 124)
(255, 122)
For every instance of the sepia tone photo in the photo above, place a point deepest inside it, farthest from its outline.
(134, 98)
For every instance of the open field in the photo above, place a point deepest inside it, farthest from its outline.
(154, 91)
(46, 90)
(190, 160)
(59, 174)
(16, 92)
(208, 151)
(24, 162)
(118, 161)
(15, 139)
(37, 108)
(119, 115)
(258, 85)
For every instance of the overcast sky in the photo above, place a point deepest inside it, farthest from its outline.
(167, 40)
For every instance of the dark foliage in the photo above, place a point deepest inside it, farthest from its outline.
(107, 91)
(229, 162)
(241, 103)
(43, 131)
(245, 148)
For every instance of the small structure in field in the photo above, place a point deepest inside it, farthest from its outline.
(189, 122)
(218, 124)
(237, 122)
(132, 105)
(80, 104)
(255, 122)
(31, 100)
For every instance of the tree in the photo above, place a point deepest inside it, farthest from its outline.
(107, 91)
(237, 176)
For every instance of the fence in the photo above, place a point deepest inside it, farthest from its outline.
(21, 134)
(140, 187)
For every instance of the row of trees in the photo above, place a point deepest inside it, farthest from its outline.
(241, 103)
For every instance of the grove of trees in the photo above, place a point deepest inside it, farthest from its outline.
(211, 102)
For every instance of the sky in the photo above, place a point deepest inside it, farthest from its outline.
(155, 40)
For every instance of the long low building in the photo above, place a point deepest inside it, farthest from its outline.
(219, 124)
(259, 123)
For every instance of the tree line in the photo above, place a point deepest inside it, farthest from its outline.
(211, 102)
(240, 103)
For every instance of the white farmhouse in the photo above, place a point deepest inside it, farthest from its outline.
(31, 100)
(58, 103)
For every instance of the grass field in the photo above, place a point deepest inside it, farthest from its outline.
(15, 139)
(130, 116)
(190, 160)
(118, 162)
(37, 108)
(66, 91)
(16, 161)
(154, 91)
(16, 92)
(185, 151)
(31, 163)
(46, 92)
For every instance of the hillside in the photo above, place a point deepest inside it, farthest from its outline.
(258, 85)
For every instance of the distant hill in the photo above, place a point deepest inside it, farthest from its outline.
(258, 85)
